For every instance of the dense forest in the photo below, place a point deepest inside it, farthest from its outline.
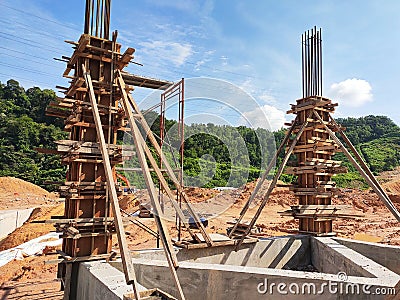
(24, 127)
(215, 155)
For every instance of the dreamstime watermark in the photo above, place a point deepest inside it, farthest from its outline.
(340, 286)
(224, 123)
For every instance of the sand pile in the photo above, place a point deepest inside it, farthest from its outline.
(16, 185)
(17, 193)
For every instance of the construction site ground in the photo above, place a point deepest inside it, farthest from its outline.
(33, 278)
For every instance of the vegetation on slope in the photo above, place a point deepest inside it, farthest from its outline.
(23, 127)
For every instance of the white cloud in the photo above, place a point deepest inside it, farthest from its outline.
(248, 86)
(207, 58)
(171, 51)
(224, 60)
(188, 6)
(351, 92)
(266, 116)
(267, 98)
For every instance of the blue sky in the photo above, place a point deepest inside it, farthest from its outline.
(255, 45)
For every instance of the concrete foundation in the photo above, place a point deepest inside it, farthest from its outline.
(98, 280)
(386, 255)
(13, 219)
(293, 267)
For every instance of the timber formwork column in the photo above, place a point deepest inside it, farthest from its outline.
(314, 150)
(88, 198)
(312, 139)
(88, 222)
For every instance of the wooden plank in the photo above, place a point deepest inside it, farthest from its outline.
(216, 244)
(140, 169)
(309, 147)
(94, 57)
(126, 58)
(315, 128)
(76, 83)
(127, 264)
(87, 160)
(84, 150)
(94, 145)
(330, 170)
(312, 145)
(313, 189)
(320, 207)
(80, 102)
(215, 237)
(78, 220)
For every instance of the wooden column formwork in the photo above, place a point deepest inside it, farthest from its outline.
(85, 189)
(315, 167)
(311, 138)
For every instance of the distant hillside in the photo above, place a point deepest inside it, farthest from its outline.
(377, 139)
(214, 155)
(23, 126)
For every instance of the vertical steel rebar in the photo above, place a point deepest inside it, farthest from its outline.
(320, 59)
(302, 63)
(97, 18)
(107, 19)
(101, 17)
(87, 17)
(311, 56)
(91, 17)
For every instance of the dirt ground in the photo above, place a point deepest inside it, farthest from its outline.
(33, 278)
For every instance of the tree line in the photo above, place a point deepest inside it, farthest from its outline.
(215, 155)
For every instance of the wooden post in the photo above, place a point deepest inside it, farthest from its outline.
(129, 271)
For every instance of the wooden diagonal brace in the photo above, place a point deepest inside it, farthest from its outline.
(129, 271)
(357, 156)
(164, 184)
(274, 181)
(168, 168)
(371, 180)
(262, 179)
(162, 229)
